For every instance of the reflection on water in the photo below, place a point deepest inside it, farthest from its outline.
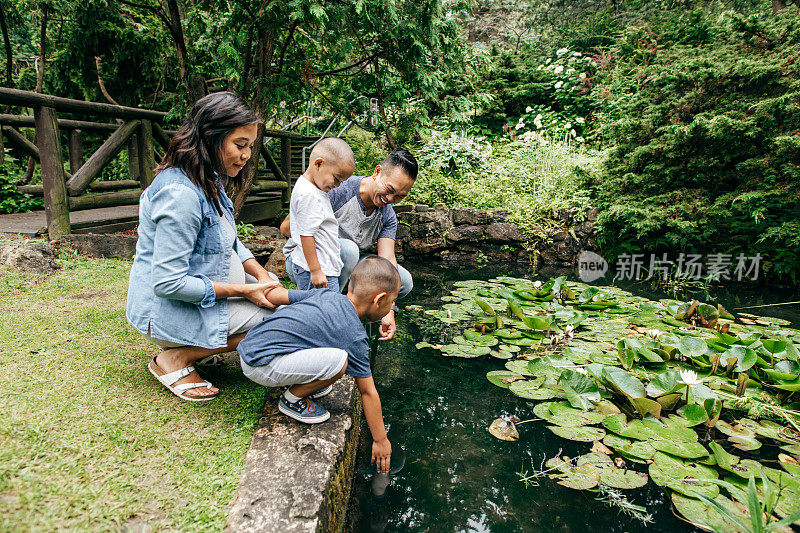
(453, 475)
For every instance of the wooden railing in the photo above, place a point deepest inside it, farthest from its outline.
(139, 131)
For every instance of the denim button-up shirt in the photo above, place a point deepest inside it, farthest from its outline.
(182, 248)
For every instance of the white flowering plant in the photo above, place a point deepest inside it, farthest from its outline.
(568, 76)
(454, 153)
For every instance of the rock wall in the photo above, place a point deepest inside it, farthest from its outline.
(466, 234)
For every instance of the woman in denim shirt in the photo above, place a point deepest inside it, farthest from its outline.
(194, 288)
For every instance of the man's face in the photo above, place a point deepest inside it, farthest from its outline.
(391, 185)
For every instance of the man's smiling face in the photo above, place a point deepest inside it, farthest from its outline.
(391, 185)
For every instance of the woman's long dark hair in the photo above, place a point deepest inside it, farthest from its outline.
(197, 145)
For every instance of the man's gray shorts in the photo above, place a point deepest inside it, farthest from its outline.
(302, 366)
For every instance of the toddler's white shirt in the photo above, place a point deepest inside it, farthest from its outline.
(311, 215)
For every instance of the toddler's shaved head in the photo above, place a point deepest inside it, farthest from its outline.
(373, 275)
(335, 151)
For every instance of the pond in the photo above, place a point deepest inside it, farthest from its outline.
(455, 476)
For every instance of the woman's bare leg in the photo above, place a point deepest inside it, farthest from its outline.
(173, 359)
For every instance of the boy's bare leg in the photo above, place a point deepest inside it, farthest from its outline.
(306, 389)
(174, 359)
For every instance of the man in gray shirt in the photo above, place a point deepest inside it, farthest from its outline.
(363, 207)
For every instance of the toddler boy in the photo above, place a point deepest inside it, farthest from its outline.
(313, 342)
(316, 260)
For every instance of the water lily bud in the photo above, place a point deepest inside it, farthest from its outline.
(654, 333)
(537, 284)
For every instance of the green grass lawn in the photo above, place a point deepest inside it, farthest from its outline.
(88, 439)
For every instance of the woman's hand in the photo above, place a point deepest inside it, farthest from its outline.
(257, 293)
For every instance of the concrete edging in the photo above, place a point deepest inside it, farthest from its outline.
(296, 477)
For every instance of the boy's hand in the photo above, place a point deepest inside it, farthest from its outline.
(318, 279)
(388, 327)
(381, 455)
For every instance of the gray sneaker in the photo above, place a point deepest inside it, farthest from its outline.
(304, 410)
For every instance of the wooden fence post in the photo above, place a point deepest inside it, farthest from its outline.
(286, 165)
(133, 158)
(2, 149)
(56, 206)
(75, 150)
(147, 159)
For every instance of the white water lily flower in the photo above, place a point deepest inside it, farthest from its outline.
(576, 54)
(537, 284)
(528, 109)
(654, 333)
(689, 377)
(582, 75)
(559, 84)
(568, 125)
(561, 51)
(579, 370)
(569, 331)
(559, 69)
(580, 120)
(449, 314)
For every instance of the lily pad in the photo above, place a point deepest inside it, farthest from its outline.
(686, 450)
(692, 346)
(745, 357)
(520, 366)
(622, 479)
(580, 433)
(686, 478)
(504, 430)
(532, 390)
(582, 477)
(503, 378)
(707, 517)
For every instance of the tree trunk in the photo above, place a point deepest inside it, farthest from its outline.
(777, 6)
(42, 48)
(195, 85)
(382, 110)
(7, 46)
(264, 55)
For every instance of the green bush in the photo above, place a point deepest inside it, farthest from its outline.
(454, 153)
(367, 150)
(707, 154)
(11, 200)
(532, 177)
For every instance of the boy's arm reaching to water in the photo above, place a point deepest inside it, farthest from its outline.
(381, 447)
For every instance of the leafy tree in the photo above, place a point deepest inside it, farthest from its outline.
(706, 155)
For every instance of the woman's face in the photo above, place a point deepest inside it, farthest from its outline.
(236, 148)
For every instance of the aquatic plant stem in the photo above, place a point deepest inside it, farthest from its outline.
(765, 305)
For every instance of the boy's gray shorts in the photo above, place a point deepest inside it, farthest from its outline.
(302, 366)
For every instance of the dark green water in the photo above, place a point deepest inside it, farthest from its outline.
(456, 476)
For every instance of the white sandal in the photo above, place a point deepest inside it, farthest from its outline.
(168, 378)
(211, 360)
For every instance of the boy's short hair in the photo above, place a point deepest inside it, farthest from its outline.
(334, 150)
(402, 158)
(372, 275)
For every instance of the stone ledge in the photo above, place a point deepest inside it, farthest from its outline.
(296, 477)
